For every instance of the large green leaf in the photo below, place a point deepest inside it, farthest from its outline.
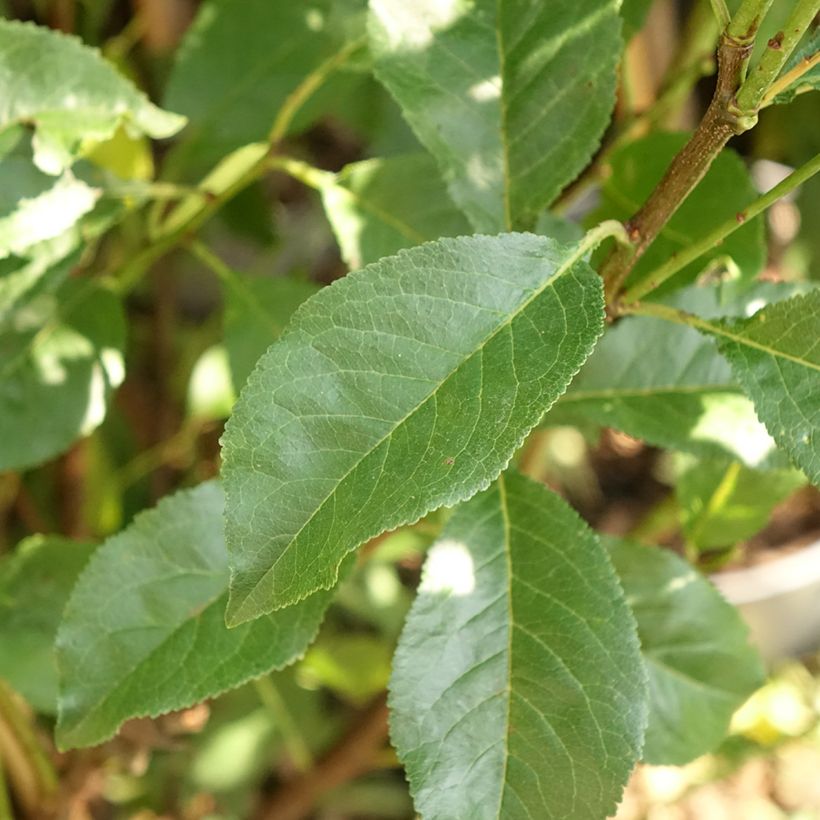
(510, 96)
(379, 206)
(726, 189)
(401, 388)
(60, 358)
(238, 63)
(694, 645)
(69, 94)
(35, 582)
(724, 502)
(144, 631)
(256, 312)
(775, 355)
(669, 386)
(517, 687)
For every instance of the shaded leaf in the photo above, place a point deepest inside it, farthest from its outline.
(725, 190)
(694, 644)
(35, 582)
(256, 312)
(70, 94)
(723, 502)
(401, 388)
(61, 351)
(237, 64)
(511, 97)
(379, 206)
(517, 686)
(144, 631)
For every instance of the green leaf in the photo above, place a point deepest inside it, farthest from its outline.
(256, 312)
(238, 63)
(723, 503)
(62, 352)
(517, 686)
(401, 388)
(694, 645)
(35, 582)
(35, 207)
(727, 188)
(775, 355)
(669, 386)
(70, 95)
(634, 13)
(144, 631)
(510, 97)
(379, 206)
(810, 81)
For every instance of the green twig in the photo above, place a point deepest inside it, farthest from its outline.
(721, 11)
(680, 260)
(284, 722)
(790, 78)
(753, 92)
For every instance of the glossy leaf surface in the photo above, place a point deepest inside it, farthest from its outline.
(694, 644)
(510, 96)
(144, 631)
(401, 388)
(517, 687)
(70, 94)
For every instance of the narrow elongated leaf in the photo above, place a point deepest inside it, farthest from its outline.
(726, 189)
(144, 633)
(723, 502)
(510, 96)
(379, 206)
(401, 388)
(669, 386)
(35, 582)
(238, 63)
(775, 355)
(256, 312)
(517, 687)
(69, 94)
(695, 648)
(62, 351)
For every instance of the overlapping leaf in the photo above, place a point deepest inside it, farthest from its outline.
(775, 355)
(379, 206)
(69, 94)
(144, 631)
(35, 582)
(401, 388)
(517, 687)
(60, 358)
(510, 96)
(695, 648)
(809, 80)
(668, 385)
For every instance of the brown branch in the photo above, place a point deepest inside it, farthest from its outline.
(720, 122)
(351, 757)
